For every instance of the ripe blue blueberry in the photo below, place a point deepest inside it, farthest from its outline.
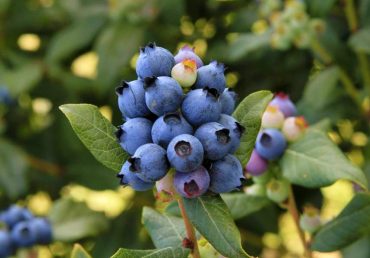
(149, 162)
(23, 234)
(192, 184)
(236, 130)
(256, 165)
(154, 61)
(215, 139)
(201, 106)
(134, 133)
(128, 177)
(166, 127)
(15, 214)
(131, 99)
(228, 100)
(270, 144)
(6, 247)
(162, 94)
(43, 230)
(285, 105)
(211, 76)
(5, 97)
(186, 53)
(226, 175)
(185, 153)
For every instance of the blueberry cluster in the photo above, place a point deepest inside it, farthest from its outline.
(178, 114)
(22, 230)
(280, 126)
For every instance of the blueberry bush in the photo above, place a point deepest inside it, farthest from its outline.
(181, 128)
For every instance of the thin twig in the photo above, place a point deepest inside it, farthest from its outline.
(44, 166)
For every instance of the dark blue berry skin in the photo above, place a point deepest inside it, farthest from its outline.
(270, 144)
(162, 94)
(15, 214)
(128, 177)
(43, 229)
(5, 97)
(215, 139)
(211, 76)
(149, 162)
(228, 100)
(166, 127)
(236, 130)
(154, 61)
(285, 105)
(6, 247)
(192, 184)
(201, 106)
(185, 153)
(134, 133)
(24, 234)
(131, 99)
(226, 175)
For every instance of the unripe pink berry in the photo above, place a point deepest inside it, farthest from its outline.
(272, 118)
(256, 165)
(165, 189)
(294, 128)
(185, 73)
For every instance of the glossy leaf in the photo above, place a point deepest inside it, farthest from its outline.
(351, 224)
(169, 252)
(248, 43)
(249, 113)
(74, 220)
(97, 133)
(360, 41)
(164, 230)
(212, 218)
(315, 161)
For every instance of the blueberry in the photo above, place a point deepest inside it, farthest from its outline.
(162, 94)
(226, 175)
(236, 130)
(201, 106)
(192, 184)
(43, 230)
(149, 162)
(272, 118)
(131, 99)
(154, 61)
(228, 100)
(187, 52)
(24, 234)
(128, 177)
(294, 128)
(165, 184)
(166, 127)
(5, 97)
(310, 220)
(270, 144)
(185, 73)
(285, 105)
(256, 165)
(215, 139)
(185, 153)
(16, 214)
(211, 76)
(278, 190)
(134, 133)
(6, 247)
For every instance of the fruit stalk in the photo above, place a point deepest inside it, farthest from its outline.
(190, 232)
(292, 208)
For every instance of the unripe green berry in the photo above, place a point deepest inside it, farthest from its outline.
(256, 190)
(310, 220)
(185, 73)
(272, 118)
(277, 190)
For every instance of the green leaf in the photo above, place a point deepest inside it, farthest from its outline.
(211, 217)
(79, 252)
(164, 230)
(97, 133)
(115, 47)
(315, 161)
(241, 204)
(351, 224)
(318, 8)
(12, 170)
(169, 252)
(249, 113)
(69, 41)
(247, 44)
(324, 82)
(74, 220)
(360, 41)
